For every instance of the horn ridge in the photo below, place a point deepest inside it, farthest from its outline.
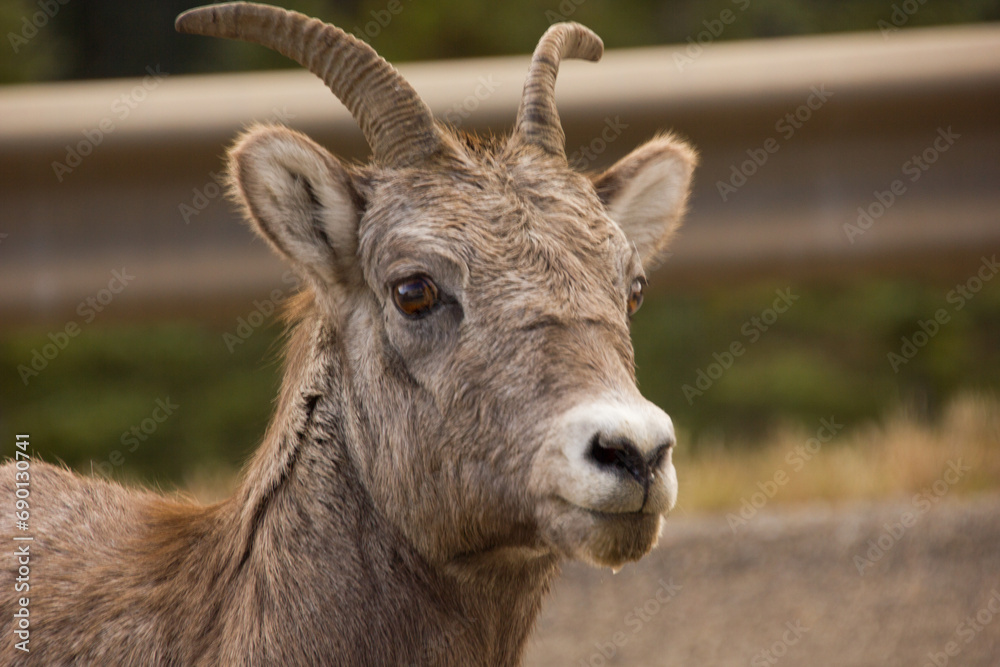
(398, 125)
(537, 118)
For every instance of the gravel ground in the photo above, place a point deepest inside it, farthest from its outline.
(785, 589)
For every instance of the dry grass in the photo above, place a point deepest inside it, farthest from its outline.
(897, 458)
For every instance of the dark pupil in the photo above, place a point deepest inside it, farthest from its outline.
(414, 297)
(636, 298)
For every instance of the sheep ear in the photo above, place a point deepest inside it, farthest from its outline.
(300, 199)
(646, 193)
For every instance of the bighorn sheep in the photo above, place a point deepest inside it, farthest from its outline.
(458, 412)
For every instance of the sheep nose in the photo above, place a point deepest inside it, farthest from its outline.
(618, 455)
(612, 456)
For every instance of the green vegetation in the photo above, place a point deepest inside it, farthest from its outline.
(825, 357)
(83, 407)
(56, 39)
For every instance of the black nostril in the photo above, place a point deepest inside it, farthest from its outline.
(658, 455)
(619, 454)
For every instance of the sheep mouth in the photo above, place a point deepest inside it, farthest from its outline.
(614, 516)
(604, 515)
(602, 538)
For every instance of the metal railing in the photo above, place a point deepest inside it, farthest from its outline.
(820, 156)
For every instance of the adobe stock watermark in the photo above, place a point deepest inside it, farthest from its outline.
(247, 325)
(796, 458)
(30, 25)
(922, 503)
(566, 9)
(927, 329)
(965, 632)
(772, 654)
(786, 127)
(381, 18)
(163, 408)
(899, 17)
(635, 621)
(713, 30)
(21, 468)
(912, 169)
(87, 310)
(215, 186)
(121, 108)
(752, 330)
(459, 112)
(584, 156)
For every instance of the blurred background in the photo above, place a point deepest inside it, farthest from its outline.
(830, 311)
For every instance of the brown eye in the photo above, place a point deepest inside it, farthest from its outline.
(635, 295)
(416, 296)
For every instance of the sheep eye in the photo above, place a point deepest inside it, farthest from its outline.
(635, 295)
(416, 296)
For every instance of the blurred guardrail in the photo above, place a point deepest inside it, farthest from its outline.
(827, 156)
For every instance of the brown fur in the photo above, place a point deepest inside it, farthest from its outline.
(403, 507)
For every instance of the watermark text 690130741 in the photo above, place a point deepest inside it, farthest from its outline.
(22, 542)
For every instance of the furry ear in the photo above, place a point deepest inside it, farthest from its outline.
(646, 193)
(300, 199)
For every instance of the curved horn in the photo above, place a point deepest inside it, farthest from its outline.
(397, 124)
(537, 118)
